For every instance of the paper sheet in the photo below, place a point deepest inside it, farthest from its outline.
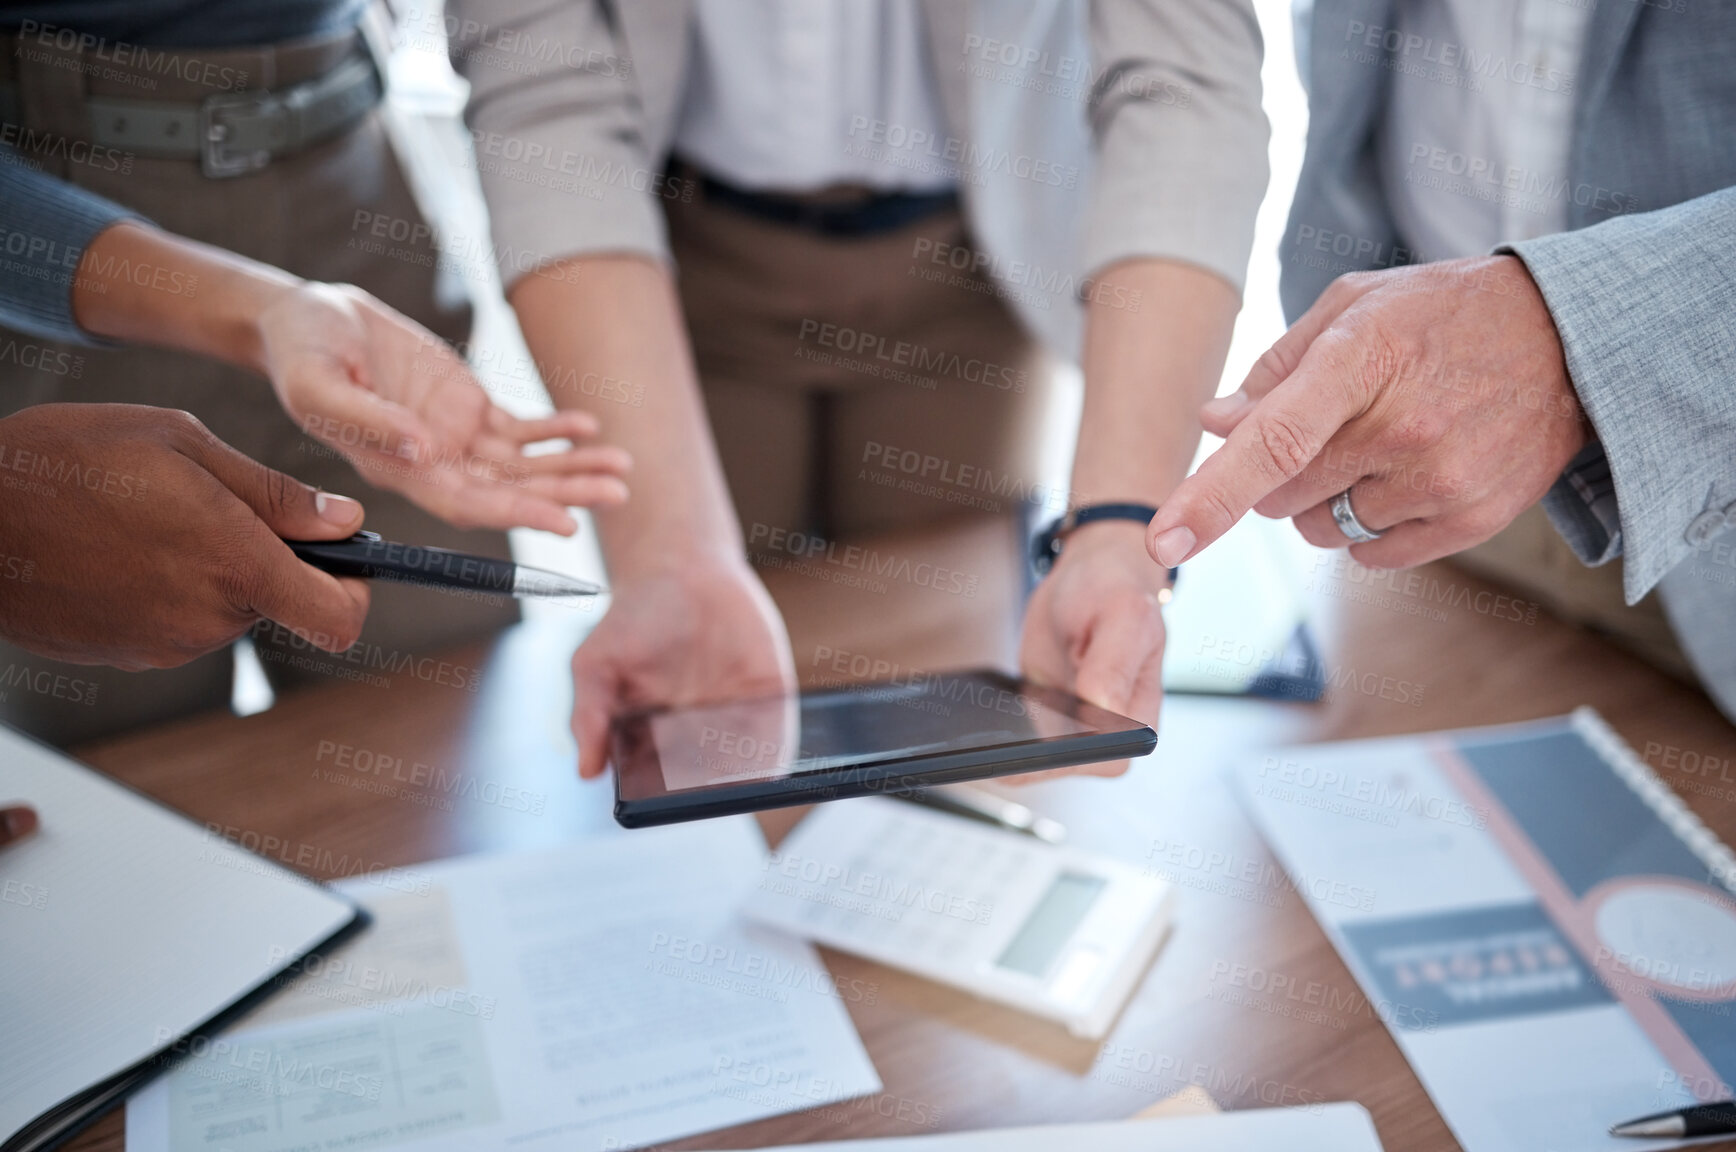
(1317, 1128)
(1190, 1101)
(600, 995)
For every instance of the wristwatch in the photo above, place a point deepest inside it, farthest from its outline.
(1046, 547)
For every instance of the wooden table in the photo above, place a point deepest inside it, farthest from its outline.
(941, 1054)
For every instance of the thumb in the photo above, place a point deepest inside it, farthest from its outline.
(1121, 668)
(593, 710)
(324, 610)
(289, 508)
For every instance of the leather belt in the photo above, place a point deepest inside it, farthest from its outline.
(872, 215)
(233, 133)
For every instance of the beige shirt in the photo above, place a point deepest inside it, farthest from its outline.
(1080, 133)
(776, 87)
(1480, 120)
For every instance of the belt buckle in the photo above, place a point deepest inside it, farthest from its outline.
(216, 115)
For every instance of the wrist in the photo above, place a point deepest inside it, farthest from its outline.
(1117, 539)
(1092, 522)
(238, 325)
(681, 555)
(1110, 545)
(139, 284)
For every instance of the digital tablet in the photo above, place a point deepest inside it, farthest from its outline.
(717, 760)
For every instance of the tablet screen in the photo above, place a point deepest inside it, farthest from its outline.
(768, 739)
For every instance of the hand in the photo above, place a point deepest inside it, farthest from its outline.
(16, 822)
(404, 408)
(697, 635)
(1440, 392)
(1094, 627)
(134, 537)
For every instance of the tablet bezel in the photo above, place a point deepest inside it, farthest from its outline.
(638, 768)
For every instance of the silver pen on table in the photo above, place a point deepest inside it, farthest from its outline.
(987, 808)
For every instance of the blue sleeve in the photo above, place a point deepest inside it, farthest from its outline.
(45, 226)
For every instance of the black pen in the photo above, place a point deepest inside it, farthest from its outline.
(367, 555)
(1701, 1120)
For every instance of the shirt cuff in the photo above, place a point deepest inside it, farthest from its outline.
(1582, 506)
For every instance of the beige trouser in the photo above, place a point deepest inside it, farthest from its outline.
(849, 394)
(1530, 555)
(298, 213)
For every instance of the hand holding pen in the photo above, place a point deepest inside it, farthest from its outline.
(132, 536)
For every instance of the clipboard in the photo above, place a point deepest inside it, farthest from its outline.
(131, 936)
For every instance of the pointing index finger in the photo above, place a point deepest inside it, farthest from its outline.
(1271, 446)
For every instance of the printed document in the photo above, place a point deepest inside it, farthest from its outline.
(596, 996)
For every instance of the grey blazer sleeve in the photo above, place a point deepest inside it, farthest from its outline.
(1180, 135)
(45, 226)
(1646, 308)
(553, 116)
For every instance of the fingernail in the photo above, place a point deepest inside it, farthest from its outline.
(1225, 407)
(1173, 546)
(336, 509)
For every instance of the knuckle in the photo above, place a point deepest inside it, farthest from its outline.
(1341, 289)
(1286, 441)
(195, 639)
(1276, 362)
(236, 573)
(1450, 486)
(283, 493)
(1216, 512)
(1479, 522)
(1357, 283)
(1387, 354)
(183, 427)
(1410, 432)
(238, 583)
(1135, 608)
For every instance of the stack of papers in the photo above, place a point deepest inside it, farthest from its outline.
(599, 995)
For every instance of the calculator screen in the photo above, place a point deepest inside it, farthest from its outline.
(1051, 923)
(766, 739)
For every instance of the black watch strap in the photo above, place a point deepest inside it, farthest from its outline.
(1046, 547)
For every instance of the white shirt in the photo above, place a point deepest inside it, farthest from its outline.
(1478, 128)
(785, 95)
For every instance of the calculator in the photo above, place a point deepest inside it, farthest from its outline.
(1052, 931)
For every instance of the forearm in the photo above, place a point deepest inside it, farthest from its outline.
(139, 284)
(1147, 371)
(617, 317)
